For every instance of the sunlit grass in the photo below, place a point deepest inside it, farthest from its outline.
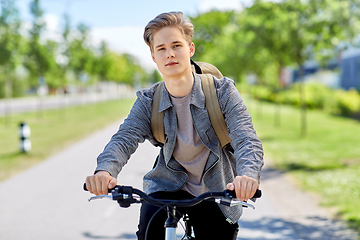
(325, 161)
(52, 131)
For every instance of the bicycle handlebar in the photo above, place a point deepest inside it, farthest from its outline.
(124, 196)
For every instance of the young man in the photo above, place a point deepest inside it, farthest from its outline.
(191, 161)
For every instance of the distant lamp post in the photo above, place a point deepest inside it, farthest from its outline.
(25, 143)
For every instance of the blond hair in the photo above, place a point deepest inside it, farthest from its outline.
(170, 19)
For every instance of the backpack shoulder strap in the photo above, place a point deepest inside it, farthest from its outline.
(214, 110)
(157, 118)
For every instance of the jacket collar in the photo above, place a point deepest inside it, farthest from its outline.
(197, 97)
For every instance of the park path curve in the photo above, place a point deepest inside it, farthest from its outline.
(47, 202)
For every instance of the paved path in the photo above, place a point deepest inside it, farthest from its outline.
(30, 104)
(47, 202)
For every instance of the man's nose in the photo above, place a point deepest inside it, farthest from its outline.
(170, 53)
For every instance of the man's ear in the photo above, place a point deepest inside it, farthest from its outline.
(152, 56)
(192, 49)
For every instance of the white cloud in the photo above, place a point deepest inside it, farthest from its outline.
(53, 28)
(127, 39)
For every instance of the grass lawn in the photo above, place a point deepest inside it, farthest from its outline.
(326, 161)
(54, 131)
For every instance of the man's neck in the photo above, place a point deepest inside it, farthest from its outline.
(179, 86)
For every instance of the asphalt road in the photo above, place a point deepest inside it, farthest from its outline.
(47, 202)
(30, 104)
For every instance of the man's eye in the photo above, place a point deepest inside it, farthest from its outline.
(160, 49)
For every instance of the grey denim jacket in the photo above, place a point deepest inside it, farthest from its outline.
(168, 175)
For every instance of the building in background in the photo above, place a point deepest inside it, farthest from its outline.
(350, 69)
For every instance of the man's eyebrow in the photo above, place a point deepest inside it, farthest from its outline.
(176, 42)
(160, 45)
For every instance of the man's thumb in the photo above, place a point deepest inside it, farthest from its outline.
(112, 183)
(230, 186)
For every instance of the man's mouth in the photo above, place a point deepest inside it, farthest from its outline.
(171, 64)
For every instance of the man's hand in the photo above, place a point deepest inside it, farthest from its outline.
(100, 182)
(244, 186)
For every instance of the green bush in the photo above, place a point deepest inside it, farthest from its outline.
(348, 102)
(317, 96)
(291, 96)
(262, 92)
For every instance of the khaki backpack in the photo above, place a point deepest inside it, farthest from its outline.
(206, 71)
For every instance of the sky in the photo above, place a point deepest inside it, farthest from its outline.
(119, 22)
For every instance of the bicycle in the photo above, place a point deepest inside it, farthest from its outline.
(124, 195)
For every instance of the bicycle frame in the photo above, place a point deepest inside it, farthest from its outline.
(171, 224)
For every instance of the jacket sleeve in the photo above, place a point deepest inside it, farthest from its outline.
(248, 150)
(134, 130)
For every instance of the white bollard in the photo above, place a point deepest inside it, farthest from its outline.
(24, 132)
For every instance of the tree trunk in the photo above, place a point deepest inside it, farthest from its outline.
(277, 108)
(8, 97)
(303, 118)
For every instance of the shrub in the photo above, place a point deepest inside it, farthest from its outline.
(347, 102)
(262, 92)
(317, 96)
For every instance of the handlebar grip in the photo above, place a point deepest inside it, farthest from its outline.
(257, 194)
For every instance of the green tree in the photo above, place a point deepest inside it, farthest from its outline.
(38, 59)
(10, 50)
(82, 57)
(64, 53)
(54, 75)
(154, 77)
(104, 62)
(208, 26)
(269, 21)
(221, 40)
(314, 27)
(123, 68)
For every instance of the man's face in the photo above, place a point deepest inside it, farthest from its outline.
(171, 52)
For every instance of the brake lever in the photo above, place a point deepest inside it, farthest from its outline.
(231, 199)
(100, 197)
(244, 204)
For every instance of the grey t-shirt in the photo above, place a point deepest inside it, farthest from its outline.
(189, 151)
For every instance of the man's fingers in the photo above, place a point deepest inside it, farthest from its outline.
(245, 187)
(99, 183)
(104, 186)
(102, 182)
(88, 184)
(255, 186)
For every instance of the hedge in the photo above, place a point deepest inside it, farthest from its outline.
(316, 96)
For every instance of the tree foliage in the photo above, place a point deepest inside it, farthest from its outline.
(40, 57)
(268, 36)
(10, 46)
(259, 40)
(53, 63)
(274, 34)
